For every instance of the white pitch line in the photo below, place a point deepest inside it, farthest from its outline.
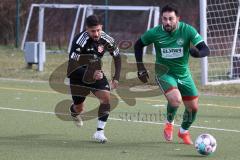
(32, 111)
(44, 81)
(45, 91)
(197, 127)
(117, 119)
(23, 80)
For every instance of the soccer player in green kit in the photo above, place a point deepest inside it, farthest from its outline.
(172, 41)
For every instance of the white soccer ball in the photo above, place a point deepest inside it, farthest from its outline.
(205, 144)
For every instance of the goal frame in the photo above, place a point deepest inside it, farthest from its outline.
(154, 13)
(204, 61)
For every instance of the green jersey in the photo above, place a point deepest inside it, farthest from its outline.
(172, 49)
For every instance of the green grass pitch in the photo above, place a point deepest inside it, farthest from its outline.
(31, 130)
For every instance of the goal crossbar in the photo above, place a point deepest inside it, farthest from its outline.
(153, 12)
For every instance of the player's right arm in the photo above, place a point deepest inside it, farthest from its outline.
(142, 72)
(74, 56)
(75, 45)
(75, 62)
(145, 40)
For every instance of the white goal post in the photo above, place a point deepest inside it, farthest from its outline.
(219, 20)
(86, 10)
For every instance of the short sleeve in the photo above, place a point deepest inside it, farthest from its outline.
(113, 49)
(148, 37)
(111, 46)
(195, 37)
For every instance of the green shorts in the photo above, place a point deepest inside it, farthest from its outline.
(186, 85)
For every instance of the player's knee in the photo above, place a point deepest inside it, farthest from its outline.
(176, 101)
(174, 98)
(194, 108)
(105, 100)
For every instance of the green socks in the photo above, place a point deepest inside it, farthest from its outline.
(188, 119)
(188, 116)
(171, 112)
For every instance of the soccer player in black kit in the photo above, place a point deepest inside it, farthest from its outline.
(86, 75)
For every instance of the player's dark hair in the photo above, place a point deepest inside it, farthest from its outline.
(170, 8)
(93, 20)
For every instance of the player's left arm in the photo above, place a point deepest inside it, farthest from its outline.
(114, 52)
(201, 49)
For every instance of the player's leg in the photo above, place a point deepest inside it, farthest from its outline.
(102, 92)
(79, 93)
(190, 98)
(76, 109)
(103, 114)
(174, 100)
(189, 117)
(104, 108)
(168, 86)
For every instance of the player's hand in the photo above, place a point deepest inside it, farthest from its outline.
(143, 76)
(98, 75)
(114, 84)
(194, 53)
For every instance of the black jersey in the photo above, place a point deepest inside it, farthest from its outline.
(84, 45)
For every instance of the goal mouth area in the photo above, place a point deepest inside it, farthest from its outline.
(149, 15)
(220, 29)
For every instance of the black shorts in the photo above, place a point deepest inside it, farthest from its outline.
(80, 89)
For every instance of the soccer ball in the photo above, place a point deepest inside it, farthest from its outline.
(205, 144)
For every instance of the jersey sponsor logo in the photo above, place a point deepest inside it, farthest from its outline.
(180, 41)
(171, 53)
(100, 49)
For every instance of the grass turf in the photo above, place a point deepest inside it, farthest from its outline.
(12, 65)
(31, 130)
(26, 134)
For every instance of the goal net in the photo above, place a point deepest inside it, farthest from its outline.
(220, 24)
(57, 24)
